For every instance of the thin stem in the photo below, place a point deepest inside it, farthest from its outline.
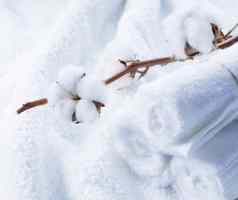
(229, 32)
(142, 64)
(32, 104)
(229, 42)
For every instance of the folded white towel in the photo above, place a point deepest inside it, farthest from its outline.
(175, 115)
(189, 105)
(222, 152)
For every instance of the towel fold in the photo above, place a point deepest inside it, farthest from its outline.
(221, 151)
(229, 179)
(130, 142)
(193, 178)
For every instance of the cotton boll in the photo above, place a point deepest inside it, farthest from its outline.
(65, 108)
(195, 179)
(61, 92)
(174, 34)
(56, 94)
(91, 88)
(86, 111)
(191, 24)
(69, 76)
(199, 34)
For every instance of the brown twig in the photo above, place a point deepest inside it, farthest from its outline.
(230, 31)
(227, 43)
(142, 64)
(126, 63)
(221, 40)
(143, 72)
(32, 104)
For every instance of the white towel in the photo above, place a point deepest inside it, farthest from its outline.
(130, 142)
(189, 105)
(192, 178)
(174, 115)
(222, 152)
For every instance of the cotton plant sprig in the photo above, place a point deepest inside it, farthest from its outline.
(132, 67)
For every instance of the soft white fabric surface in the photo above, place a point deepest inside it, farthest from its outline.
(221, 151)
(47, 157)
(192, 114)
(192, 104)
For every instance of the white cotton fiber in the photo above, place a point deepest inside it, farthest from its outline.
(91, 88)
(174, 34)
(199, 34)
(65, 108)
(195, 179)
(192, 25)
(55, 94)
(86, 111)
(69, 76)
(62, 91)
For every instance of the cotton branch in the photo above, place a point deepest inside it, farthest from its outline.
(224, 40)
(99, 105)
(221, 41)
(32, 104)
(133, 66)
(227, 43)
(230, 31)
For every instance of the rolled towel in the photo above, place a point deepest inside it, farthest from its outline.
(190, 104)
